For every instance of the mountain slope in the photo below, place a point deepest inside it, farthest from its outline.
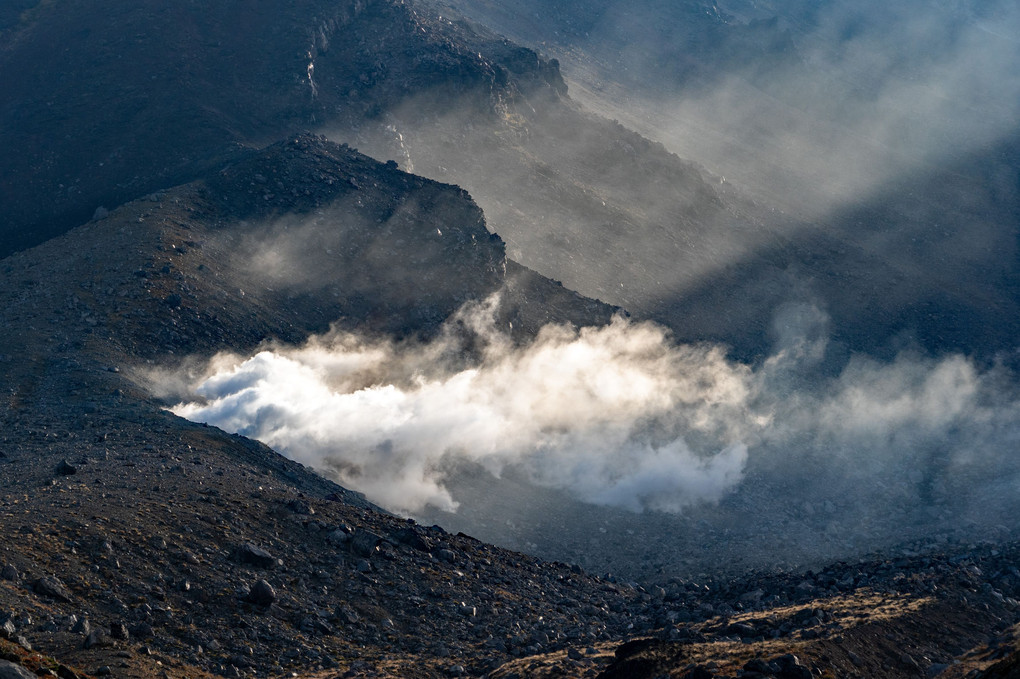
(578, 198)
(172, 89)
(162, 529)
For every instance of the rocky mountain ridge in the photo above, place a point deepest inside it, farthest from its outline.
(174, 89)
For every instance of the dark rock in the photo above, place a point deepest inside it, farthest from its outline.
(65, 672)
(412, 538)
(82, 627)
(65, 468)
(262, 593)
(9, 670)
(789, 667)
(119, 631)
(346, 615)
(644, 658)
(742, 629)
(98, 637)
(688, 634)
(8, 630)
(758, 665)
(301, 507)
(141, 630)
(338, 537)
(254, 556)
(10, 573)
(53, 588)
(323, 628)
(365, 542)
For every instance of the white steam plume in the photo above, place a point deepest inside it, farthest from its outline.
(620, 415)
(602, 412)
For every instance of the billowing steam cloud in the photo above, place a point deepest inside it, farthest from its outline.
(603, 412)
(620, 415)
